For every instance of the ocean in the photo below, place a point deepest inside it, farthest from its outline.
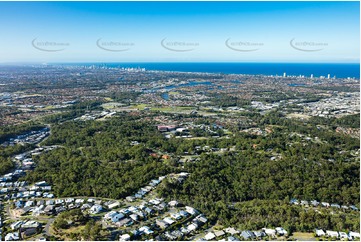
(341, 70)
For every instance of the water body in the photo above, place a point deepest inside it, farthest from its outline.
(297, 85)
(342, 70)
(165, 96)
(189, 84)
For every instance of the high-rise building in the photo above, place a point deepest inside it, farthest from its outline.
(284, 74)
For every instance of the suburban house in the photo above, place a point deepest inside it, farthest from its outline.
(219, 233)
(79, 201)
(117, 217)
(162, 224)
(201, 218)
(269, 232)
(124, 237)
(60, 209)
(173, 203)
(59, 201)
(27, 232)
(320, 232)
(141, 214)
(314, 203)
(29, 203)
(49, 209)
(184, 213)
(146, 230)
(16, 225)
(259, 234)
(69, 200)
(332, 233)
(125, 211)
(42, 183)
(334, 205)
(12, 236)
(132, 209)
(114, 205)
(354, 235)
(110, 214)
(31, 224)
(248, 235)
(50, 202)
(19, 204)
(324, 204)
(176, 216)
(191, 210)
(192, 227)
(96, 209)
(134, 217)
(40, 202)
(210, 236)
(149, 210)
(85, 206)
(168, 220)
(343, 235)
(353, 207)
(231, 238)
(130, 198)
(304, 202)
(231, 231)
(281, 231)
(124, 222)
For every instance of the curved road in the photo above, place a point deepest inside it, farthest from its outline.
(10, 214)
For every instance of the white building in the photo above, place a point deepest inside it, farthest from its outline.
(191, 210)
(354, 234)
(124, 237)
(343, 235)
(192, 227)
(12, 236)
(114, 205)
(232, 231)
(110, 214)
(16, 225)
(269, 232)
(281, 231)
(210, 236)
(168, 220)
(320, 233)
(31, 224)
(95, 209)
(173, 203)
(332, 233)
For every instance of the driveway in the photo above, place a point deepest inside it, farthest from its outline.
(47, 226)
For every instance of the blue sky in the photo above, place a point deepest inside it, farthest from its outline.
(191, 31)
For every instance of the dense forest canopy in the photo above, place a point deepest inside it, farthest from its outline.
(97, 158)
(258, 176)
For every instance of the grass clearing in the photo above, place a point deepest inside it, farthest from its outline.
(111, 105)
(173, 109)
(303, 236)
(140, 106)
